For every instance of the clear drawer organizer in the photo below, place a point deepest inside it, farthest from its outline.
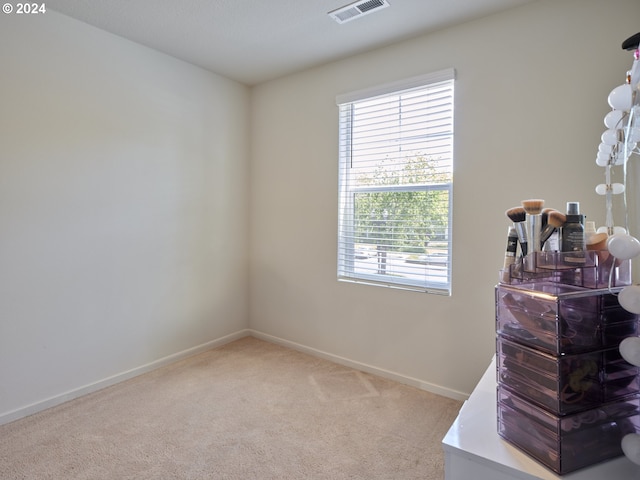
(558, 328)
(593, 269)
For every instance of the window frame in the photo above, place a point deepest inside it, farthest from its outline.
(347, 194)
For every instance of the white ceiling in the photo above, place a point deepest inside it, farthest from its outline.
(253, 41)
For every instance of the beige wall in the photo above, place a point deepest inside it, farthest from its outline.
(531, 93)
(123, 208)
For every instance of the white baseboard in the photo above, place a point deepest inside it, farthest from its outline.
(120, 377)
(107, 382)
(414, 382)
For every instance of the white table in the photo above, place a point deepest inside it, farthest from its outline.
(474, 450)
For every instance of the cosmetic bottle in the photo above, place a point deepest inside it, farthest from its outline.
(589, 231)
(510, 254)
(512, 247)
(572, 239)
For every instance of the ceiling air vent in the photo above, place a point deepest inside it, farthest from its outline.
(357, 10)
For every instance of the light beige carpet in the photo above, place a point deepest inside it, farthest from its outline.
(247, 410)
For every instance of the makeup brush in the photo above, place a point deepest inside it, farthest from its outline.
(533, 227)
(518, 216)
(545, 216)
(555, 220)
(533, 223)
(533, 206)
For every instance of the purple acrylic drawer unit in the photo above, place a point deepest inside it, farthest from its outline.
(559, 318)
(571, 442)
(566, 383)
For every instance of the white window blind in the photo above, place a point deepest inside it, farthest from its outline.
(395, 184)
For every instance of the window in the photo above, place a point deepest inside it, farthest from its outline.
(395, 184)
